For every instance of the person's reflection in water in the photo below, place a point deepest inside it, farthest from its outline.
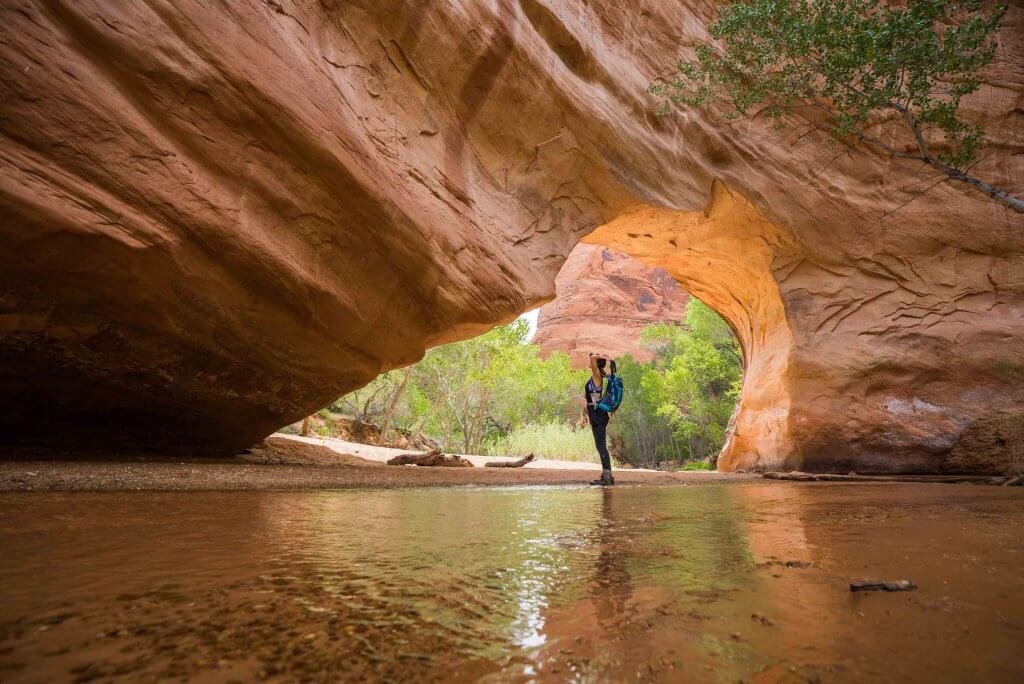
(612, 588)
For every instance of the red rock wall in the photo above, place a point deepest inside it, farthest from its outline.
(215, 217)
(603, 301)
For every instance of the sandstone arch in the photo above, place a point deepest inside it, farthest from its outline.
(216, 217)
(834, 374)
(725, 256)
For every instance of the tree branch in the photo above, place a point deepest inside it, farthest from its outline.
(996, 193)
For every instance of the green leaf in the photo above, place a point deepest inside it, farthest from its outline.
(854, 59)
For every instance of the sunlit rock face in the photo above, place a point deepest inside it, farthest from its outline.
(216, 217)
(846, 368)
(603, 301)
(725, 257)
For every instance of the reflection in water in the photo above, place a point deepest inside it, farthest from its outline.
(714, 583)
(611, 585)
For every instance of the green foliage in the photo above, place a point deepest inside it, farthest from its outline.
(689, 390)
(555, 440)
(852, 59)
(647, 437)
(695, 465)
(494, 394)
(368, 403)
(474, 391)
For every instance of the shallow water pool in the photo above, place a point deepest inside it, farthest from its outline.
(720, 583)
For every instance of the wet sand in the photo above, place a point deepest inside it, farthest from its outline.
(285, 463)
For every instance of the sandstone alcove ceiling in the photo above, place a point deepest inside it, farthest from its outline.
(217, 217)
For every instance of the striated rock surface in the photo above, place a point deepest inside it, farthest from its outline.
(603, 301)
(879, 376)
(217, 216)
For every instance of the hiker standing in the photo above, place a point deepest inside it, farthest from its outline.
(603, 398)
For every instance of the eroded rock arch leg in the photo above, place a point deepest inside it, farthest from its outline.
(849, 364)
(725, 256)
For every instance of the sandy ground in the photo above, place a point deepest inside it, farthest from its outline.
(288, 462)
(382, 454)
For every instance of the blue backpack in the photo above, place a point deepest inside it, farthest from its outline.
(612, 395)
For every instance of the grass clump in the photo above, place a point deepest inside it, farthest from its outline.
(554, 440)
(696, 465)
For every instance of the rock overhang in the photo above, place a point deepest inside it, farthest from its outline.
(217, 218)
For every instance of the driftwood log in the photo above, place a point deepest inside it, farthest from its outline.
(434, 457)
(510, 464)
(899, 585)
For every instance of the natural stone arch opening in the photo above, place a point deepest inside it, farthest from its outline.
(725, 256)
(604, 302)
(261, 211)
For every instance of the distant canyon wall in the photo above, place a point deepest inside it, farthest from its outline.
(215, 217)
(603, 301)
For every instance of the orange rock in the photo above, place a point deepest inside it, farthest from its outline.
(845, 366)
(217, 217)
(604, 299)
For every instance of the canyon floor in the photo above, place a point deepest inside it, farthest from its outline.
(290, 462)
(286, 462)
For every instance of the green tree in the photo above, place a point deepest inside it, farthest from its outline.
(860, 62)
(370, 404)
(680, 404)
(698, 380)
(647, 436)
(473, 391)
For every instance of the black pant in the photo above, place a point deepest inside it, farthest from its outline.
(599, 426)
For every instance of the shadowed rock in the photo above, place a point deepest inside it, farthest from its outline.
(216, 218)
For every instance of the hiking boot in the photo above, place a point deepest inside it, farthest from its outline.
(606, 479)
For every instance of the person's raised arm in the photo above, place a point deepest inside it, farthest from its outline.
(595, 372)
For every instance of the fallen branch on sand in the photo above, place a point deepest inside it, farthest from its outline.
(434, 457)
(510, 464)
(901, 585)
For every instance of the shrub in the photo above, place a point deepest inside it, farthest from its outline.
(679, 404)
(696, 465)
